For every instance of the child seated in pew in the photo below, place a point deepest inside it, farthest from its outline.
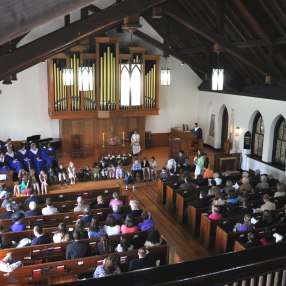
(96, 172)
(52, 177)
(111, 171)
(215, 215)
(33, 181)
(163, 175)
(62, 174)
(87, 174)
(119, 172)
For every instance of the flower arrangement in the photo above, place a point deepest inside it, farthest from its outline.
(123, 159)
(113, 141)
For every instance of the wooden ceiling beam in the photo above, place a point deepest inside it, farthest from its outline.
(252, 22)
(214, 38)
(227, 47)
(166, 50)
(51, 44)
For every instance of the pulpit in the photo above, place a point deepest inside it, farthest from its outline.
(181, 140)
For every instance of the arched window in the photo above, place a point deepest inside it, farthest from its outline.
(279, 143)
(258, 136)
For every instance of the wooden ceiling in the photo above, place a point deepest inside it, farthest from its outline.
(251, 36)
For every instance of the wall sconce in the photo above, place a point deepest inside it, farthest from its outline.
(68, 77)
(217, 73)
(85, 78)
(165, 74)
(237, 131)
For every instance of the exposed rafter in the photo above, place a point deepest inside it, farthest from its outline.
(166, 49)
(64, 38)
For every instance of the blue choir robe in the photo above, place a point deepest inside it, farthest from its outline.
(12, 161)
(36, 160)
(23, 157)
(49, 156)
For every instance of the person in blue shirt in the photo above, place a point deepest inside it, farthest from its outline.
(137, 168)
(197, 131)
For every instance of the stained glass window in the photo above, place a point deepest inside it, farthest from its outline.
(279, 143)
(258, 136)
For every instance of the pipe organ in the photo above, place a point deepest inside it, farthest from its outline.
(96, 81)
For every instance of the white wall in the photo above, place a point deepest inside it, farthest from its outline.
(178, 102)
(24, 106)
(244, 110)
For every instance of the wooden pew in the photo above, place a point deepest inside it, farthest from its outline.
(208, 226)
(56, 251)
(183, 197)
(55, 219)
(171, 194)
(161, 190)
(68, 206)
(73, 194)
(53, 272)
(194, 218)
(225, 238)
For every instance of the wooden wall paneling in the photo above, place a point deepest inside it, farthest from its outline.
(65, 135)
(160, 139)
(92, 131)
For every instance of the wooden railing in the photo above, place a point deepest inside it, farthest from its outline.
(258, 266)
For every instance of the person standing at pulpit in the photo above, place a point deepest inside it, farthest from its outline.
(197, 131)
(135, 143)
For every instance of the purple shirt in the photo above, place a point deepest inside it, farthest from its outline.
(146, 224)
(115, 202)
(18, 227)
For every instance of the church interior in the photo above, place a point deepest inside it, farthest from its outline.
(85, 76)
